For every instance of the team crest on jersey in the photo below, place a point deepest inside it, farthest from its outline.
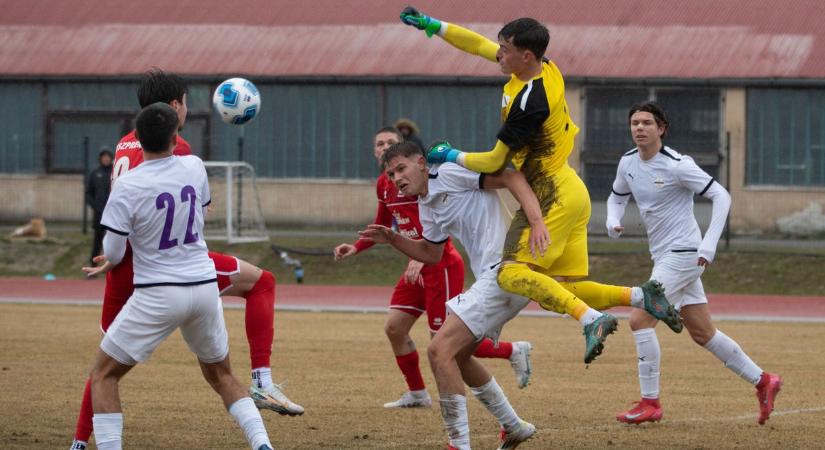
(659, 182)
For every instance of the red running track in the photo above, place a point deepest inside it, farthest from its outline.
(376, 298)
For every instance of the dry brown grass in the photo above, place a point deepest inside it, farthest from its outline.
(341, 369)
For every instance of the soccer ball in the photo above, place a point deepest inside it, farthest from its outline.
(237, 101)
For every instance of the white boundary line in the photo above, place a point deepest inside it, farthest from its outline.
(375, 309)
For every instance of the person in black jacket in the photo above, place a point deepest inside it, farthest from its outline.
(98, 184)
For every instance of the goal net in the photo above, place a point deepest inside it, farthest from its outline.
(235, 213)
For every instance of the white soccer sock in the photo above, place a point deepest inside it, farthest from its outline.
(492, 397)
(729, 352)
(637, 297)
(589, 316)
(108, 430)
(262, 378)
(454, 414)
(648, 352)
(248, 417)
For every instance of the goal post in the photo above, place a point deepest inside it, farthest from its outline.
(235, 214)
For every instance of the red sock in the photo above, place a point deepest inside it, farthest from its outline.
(488, 350)
(260, 318)
(409, 367)
(83, 431)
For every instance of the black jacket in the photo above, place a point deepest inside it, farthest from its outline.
(98, 185)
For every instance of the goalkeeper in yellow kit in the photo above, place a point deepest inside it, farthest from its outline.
(537, 137)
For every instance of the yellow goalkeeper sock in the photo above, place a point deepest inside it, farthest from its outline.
(599, 296)
(542, 289)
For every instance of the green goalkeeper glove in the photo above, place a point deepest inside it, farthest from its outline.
(413, 17)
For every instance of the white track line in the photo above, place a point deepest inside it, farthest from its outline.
(375, 309)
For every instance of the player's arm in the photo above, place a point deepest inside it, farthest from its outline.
(517, 184)
(421, 249)
(692, 177)
(719, 213)
(457, 36)
(524, 122)
(616, 204)
(383, 216)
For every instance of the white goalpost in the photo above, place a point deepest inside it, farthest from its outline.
(235, 214)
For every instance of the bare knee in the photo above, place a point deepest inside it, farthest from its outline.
(702, 335)
(397, 332)
(438, 354)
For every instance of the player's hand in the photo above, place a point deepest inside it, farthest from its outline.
(703, 262)
(378, 234)
(614, 228)
(342, 251)
(442, 152)
(412, 17)
(104, 266)
(413, 273)
(539, 239)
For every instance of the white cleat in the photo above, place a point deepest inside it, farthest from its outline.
(275, 400)
(520, 362)
(412, 399)
(511, 440)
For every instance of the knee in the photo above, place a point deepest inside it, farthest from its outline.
(437, 353)
(266, 281)
(395, 331)
(702, 336)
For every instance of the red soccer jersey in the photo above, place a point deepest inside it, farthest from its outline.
(129, 153)
(393, 205)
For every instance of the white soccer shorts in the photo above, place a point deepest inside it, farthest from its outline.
(153, 313)
(485, 307)
(681, 276)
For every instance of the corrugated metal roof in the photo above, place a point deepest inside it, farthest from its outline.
(591, 38)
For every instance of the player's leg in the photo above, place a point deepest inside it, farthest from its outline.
(239, 278)
(108, 415)
(117, 290)
(648, 354)
(406, 305)
(700, 326)
(479, 312)
(530, 277)
(204, 331)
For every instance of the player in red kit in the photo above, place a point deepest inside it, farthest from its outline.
(422, 288)
(235, 276)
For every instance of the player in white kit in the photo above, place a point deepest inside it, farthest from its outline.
(663, 183)
(160, 207)
(453, 202)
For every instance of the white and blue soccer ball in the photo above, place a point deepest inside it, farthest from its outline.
(237, 101)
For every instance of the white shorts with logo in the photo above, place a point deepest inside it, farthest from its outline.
(153, 313)
(485, 307)
(681, 276)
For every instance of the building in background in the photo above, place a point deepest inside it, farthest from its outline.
(744, 87)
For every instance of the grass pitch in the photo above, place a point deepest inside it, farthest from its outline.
(341, 369)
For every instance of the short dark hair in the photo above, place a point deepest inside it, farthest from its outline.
(156, 126)
(403, 149)
(389, 129)
(159, 86)
(652, 108)
(527, 33)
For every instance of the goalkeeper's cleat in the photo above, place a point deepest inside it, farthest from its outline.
(520, 362)
(413, 17)
(78, 445)
(595, 335)
(513, 439)
(766, 391)
(646, 410)
(410, 399)
(275, 400)
(656, 305)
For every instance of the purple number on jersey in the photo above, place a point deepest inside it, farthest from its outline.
(188, 195)
(165, 200)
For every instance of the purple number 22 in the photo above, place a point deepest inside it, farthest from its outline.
(166, 200)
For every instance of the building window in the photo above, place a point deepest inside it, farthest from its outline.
(785, 137)
(695, 123)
